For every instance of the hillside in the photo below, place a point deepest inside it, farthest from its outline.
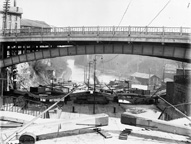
(118, 65)
(125, 65)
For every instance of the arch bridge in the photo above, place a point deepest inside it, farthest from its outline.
(23, 45)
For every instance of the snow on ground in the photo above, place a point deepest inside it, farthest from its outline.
(138, 135)
(183, 121)
(143, 87)
(22, 117)
(147, 111)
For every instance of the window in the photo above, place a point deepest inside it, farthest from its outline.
(9, 25)
(15, 25)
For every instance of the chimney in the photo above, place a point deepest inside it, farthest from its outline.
(15, 3)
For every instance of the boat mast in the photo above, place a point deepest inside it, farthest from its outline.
(94, 84)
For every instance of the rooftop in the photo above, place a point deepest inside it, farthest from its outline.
(12, 9)
(142, 75)
(168, 80)
(34, 23)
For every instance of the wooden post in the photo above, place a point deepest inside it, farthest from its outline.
(94, 84)
(1, 97)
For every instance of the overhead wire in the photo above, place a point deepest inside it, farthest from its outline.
(147, 25)
(124, 13)
(156, 16)
(118, 27)
(110, 59)
(159, 12)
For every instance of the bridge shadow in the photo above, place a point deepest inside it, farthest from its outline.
(68, 110)
(72, 110)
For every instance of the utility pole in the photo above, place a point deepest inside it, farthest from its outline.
(89, 74)
(149, 79)
(84, 74)
(94, 81)
(163, 73)
(183, 69)
(94, 84)
(6, 7)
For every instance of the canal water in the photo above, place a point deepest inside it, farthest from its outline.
(78, 74)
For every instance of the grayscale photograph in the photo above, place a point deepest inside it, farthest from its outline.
(95, 71)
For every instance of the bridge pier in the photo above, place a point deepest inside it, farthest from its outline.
(1, 81)
(3, 75)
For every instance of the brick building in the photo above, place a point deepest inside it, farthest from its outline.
(178, 92)
(13, 17)
(145, 79)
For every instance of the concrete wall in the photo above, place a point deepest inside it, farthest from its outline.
(3, 74)
(178, 92)
(170, 92)
(183, 71)
(1, 54)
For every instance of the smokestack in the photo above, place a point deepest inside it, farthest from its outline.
(15, 3)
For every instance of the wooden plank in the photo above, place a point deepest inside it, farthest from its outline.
(72, 131)
(124, 134)
(160, 125)
(160, 136)
(10, 125)
(12, 119)
(103, 133)
(50, 129)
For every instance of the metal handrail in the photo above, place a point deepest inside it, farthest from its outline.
(9, 106)
(97, 29)
(12, 108)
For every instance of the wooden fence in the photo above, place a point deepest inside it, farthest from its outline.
(9, 106)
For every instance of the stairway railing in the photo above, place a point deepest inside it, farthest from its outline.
(9, 106)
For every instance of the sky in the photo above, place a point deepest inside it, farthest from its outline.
(62, 13)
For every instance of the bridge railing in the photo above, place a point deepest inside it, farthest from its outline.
(98, 30)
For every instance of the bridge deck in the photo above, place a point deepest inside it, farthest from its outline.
(109, 33)
(23, 45)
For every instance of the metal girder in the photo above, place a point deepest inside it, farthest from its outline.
(154, 50)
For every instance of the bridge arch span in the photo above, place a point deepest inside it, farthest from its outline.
(153, 50)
